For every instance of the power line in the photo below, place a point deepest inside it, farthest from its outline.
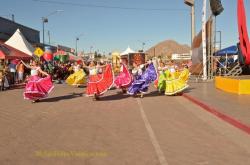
(111, 7)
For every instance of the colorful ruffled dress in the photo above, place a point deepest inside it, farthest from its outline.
(77, 78)
(170, 84)
(175, 85)
(161, 86)
(37, 87)
(143, 80)
(124, 79)
(98, 84)
(181, 82)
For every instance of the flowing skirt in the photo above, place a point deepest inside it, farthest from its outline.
(124, 79)
(178, 85)
(77, 78)
(141, 83)
(100, 83)
(38, 87)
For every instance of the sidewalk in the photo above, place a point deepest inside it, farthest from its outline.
(235, 107)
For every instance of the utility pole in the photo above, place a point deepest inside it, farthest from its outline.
(49, 36)
(77, 39)
(193, 22)
(13, 17)
(45, 20)
(191, 3)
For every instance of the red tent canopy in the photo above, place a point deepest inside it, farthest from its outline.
(12, 53)
(60, 52)
(2, 55)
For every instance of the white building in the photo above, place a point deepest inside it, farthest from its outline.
(184, 56)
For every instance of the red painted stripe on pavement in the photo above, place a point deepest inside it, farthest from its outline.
(220, 115)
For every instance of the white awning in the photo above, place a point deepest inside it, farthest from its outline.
(127, 51)
(18, 41)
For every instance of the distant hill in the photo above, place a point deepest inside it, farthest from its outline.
(167, 48)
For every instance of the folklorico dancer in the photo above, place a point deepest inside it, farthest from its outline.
(173, 82)
(142, 79)
(161, 69)
(37, 87)
(99, 83)
(124, 79)
(78, 77)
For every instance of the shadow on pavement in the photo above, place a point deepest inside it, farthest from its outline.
(65, 97)
(153, 94)
(118, 96)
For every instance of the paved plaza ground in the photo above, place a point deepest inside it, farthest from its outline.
(68, 128)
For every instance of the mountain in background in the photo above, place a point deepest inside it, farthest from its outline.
(167, 48)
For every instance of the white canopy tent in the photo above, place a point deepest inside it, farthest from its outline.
(18, 41)
(127, 51)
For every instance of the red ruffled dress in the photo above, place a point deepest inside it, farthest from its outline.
(98, 84)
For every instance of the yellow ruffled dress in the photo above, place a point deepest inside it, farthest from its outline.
(176, 85)
(170, 85)
(77, 78)
(181, 82)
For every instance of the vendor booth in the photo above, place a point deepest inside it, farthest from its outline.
(129, 57)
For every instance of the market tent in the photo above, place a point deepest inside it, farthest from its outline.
(232, 50)
(74, 58)
(61, 56)
(12, 53)
(18, 41)
(127, 51)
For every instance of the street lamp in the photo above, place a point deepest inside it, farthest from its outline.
(191, 4)
(91, 56)
(143, 44)
(77, 39)
(9, 15)
(45, 20)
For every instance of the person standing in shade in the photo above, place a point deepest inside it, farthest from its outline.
(20, 72)
(1, 75)
(12, 69)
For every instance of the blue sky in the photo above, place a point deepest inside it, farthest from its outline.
(114, 29)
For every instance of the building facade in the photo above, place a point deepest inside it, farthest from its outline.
(8, 28)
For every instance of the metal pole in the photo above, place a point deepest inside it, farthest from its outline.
(192, 27)
(220, 40)
(13, 17)
(154, 52)
(193, 23)
(76, 46)
(43, 30)
(204, 44)
(49, 36)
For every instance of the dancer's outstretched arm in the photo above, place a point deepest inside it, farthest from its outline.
(44, 73)
(102, 66)
(26, 65)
